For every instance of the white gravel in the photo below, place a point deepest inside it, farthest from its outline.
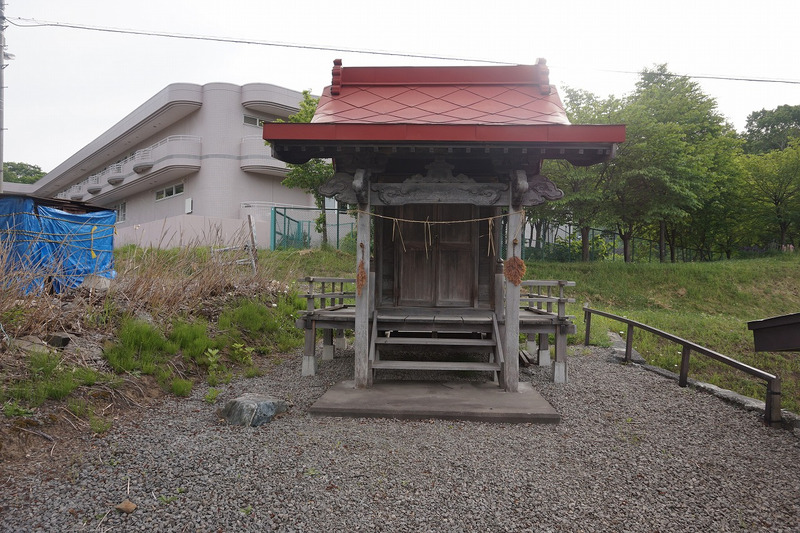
(634, 452)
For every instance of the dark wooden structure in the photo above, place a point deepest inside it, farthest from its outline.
(776, 334)
(437, 161)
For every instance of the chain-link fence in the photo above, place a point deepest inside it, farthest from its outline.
(564, 243)
(303, 227)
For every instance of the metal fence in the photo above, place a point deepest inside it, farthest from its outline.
(297, 227)
(563, 243)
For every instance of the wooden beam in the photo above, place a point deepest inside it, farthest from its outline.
(511, 339)
(362, 377)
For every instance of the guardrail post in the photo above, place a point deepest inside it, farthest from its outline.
(683, 378)
(587, 319)
(629, 343)
(772, 406)
(309, 355)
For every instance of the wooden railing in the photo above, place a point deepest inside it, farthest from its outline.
(772, 410)
(543, 298)
(327, 290)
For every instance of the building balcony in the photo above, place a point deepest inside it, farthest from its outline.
(256, 157)
(76, 192)
(93, 185)
(114, 174)
(175, 156)
(142, 160)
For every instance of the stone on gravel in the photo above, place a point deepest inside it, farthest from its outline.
(126, 507)
(252, 410)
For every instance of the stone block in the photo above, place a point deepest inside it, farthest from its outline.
(252, 410)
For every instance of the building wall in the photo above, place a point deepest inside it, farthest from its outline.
(214, 184)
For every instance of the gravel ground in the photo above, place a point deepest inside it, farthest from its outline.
(634, 452)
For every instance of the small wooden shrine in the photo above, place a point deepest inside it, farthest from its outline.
(438, 160)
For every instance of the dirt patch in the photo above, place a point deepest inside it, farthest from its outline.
(54, 431)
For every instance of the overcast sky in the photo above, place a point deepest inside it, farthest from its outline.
(67, 86)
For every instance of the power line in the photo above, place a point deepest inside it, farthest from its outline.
(40, 23)
(33, 23)
(712, 77)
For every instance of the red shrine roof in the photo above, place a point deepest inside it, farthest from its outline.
(441, 95)
(485, 105)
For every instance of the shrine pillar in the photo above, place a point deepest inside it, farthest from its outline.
(363, 375)
(510, 374)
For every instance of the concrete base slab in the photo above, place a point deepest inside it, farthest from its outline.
(461, 400)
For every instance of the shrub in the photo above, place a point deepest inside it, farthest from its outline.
(181, 387)
(140, 346)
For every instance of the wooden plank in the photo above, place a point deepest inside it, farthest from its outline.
(417, 328)
(436, 365)
(313, 279)
(319, 295)
(547, 283)
(434, 342)
(546, 299)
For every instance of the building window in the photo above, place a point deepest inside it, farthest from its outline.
(172, 190)
(122, 211)
(254, 121)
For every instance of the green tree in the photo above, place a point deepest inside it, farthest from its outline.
(771, 129)
(310, 175)
(583, 199)
(773, 179)
(662, 170)
(720, 223)
(21, 173)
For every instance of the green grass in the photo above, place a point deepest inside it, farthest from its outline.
(181, 387)
(706, 303)
(192, 338)
(270, 326)
(140, 347)
(289, 266)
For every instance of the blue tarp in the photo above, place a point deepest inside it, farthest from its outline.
(48, 244)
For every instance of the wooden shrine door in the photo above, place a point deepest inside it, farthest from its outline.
(436, 262)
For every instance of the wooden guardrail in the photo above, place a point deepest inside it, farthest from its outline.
(543, 298)
(328, 291)
(772, 410)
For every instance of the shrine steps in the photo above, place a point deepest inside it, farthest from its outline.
(440, 343)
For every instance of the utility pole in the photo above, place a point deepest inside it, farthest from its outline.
(2, 91)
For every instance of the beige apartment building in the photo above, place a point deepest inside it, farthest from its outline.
(186, 167)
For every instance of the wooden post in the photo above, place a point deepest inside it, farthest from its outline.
(511, 344)
(772, 406)
(253, 252)
(309, 356)
(683, 378)
(327, 344)
(560, 365)
(363, 297)
(500, 313)
(629, 343)
(339, 342)
(587, 320)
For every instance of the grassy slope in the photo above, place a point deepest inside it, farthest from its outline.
(708, 303)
